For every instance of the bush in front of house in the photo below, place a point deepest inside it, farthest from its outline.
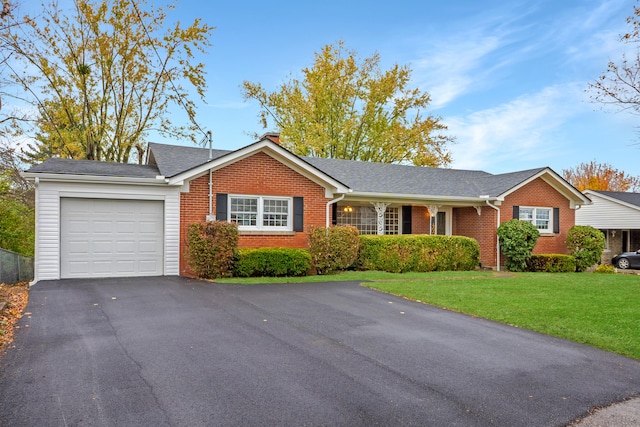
(517, 240)
(271, 262)
(334, 248)
(605, 269)
(586, 245)
(421, 253)
(211, 248)
(551, 263)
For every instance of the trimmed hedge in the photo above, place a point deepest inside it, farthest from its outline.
(551, 263)
(334, 248)
(211, 248)
(271, 262)
(403, 253)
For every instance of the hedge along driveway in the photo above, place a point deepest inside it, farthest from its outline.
(171, 352)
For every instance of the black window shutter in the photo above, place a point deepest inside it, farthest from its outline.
(221, 207)
(556, 220)
(516, 212)
(334, 214)
(406, 220)
(298, 214)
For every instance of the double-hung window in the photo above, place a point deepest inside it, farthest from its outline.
(541, 218)
(261, 213)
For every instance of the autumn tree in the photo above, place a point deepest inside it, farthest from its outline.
(600, 177)
(348, 108)
(619, 85)
(104, 75)
(17, 207)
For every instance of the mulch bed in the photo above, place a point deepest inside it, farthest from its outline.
(13, 300)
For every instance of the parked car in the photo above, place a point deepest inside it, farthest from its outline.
(627, 260)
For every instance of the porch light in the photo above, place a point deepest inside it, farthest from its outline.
(348, 209)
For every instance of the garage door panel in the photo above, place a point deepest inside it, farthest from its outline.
(111, 238)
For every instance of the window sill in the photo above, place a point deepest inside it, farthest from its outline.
(266, 233)
(547, 234)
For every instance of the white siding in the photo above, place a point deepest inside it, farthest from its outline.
(48, 194)
(606, 214)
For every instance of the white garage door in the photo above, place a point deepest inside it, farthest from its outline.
(111, 238)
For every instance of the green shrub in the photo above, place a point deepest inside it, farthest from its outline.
(211, 248)
(334, 248)
(272, 262)
(586, 245)
(606, 269)
(399, 254)
(517, 240)
(551, 263)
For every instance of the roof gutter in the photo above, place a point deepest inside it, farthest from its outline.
(416, 197)
(55, 177)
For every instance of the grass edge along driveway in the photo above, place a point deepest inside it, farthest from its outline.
(599, 310)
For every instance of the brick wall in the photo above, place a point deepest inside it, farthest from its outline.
(539, 193)
(259, 174)
(467, 222)
(419, 220)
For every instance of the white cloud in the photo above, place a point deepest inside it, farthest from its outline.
(520, 130)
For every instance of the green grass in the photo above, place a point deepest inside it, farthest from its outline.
(601, 310)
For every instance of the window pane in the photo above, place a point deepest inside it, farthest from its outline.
(526, 214)
(244, 211)
(542, 218)
(365, 219)
(275, 213)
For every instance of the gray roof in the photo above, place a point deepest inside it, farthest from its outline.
(91, 167)
(630, 198)
(172, 160)
(366, 176)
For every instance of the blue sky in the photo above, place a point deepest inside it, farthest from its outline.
(507, 77)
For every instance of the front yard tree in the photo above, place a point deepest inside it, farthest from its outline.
(347, 108)
(103, 75)
(600, 177)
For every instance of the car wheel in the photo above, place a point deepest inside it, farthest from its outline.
(623, 263)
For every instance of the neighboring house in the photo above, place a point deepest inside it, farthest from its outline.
(96, 219)
(617, 215)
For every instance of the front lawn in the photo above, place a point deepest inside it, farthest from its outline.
(601, 310)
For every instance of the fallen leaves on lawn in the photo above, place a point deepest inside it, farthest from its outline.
(15, 297)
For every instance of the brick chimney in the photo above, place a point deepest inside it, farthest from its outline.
(271, 136)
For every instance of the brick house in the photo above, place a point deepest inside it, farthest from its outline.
(98, 219)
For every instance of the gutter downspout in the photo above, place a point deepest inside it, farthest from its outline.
(329, 203)
(497, 238)
(210, 216)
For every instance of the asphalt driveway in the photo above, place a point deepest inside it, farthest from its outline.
(180, 352)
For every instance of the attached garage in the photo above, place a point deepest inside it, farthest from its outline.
(111, 237)
(98, 219)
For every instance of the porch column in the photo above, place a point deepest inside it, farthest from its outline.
(433, 218)
(380, 208)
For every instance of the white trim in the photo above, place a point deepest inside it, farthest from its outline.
(260, 212)
(612, 199)
(49, 193)
(55, 177)
(273, 150)
(555, 181)
(549, 229)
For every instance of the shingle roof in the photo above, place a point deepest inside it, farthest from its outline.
(92, 167)
(630, 198)
(172, 160)
(366, 177)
